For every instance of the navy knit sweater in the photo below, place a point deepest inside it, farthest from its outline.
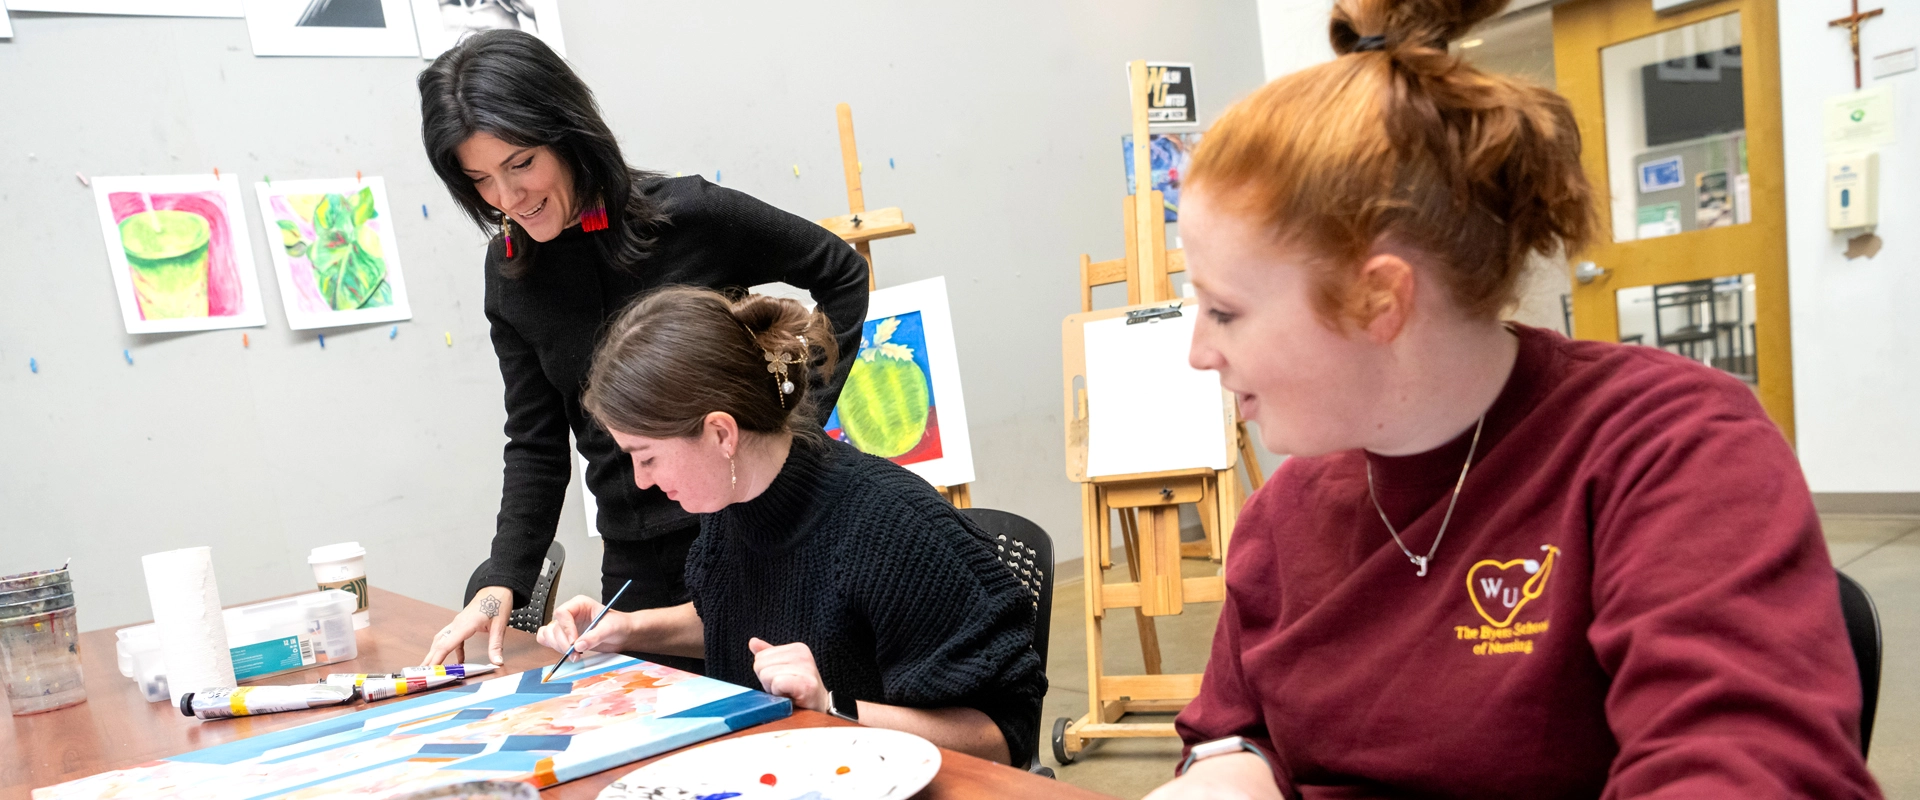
(901, 599)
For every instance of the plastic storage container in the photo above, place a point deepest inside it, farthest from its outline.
(264, 638)
(39, 642)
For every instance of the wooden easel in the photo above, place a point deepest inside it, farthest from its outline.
(859, 227)
(1147, 503)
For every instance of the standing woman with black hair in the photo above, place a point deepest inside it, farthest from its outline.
(519, 141)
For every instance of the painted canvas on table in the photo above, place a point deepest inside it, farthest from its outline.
(443, 23)
(603, 713)
(902, 400)
(1172, 155)
(331, 28)
(334, 251)
(178, 250)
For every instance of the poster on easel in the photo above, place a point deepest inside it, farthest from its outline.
(1171, 155)
(1169, 99)
(902, 400)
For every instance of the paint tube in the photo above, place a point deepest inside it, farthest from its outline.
(435, 676)
(247, 701)
(381, 687)
(456, 670)
(351, 681)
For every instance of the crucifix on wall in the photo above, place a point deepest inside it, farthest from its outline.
(1852, 23)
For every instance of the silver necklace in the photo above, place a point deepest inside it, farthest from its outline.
(1423, 561)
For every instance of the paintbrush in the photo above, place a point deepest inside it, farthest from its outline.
(596, 621)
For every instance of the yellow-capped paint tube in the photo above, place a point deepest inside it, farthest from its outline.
(247, 701)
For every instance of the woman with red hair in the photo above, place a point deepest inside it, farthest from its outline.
(1499, 563)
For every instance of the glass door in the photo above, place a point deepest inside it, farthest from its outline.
(1680, 118)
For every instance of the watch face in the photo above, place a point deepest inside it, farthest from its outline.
(844, 706)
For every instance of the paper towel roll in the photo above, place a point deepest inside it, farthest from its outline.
(186, 610)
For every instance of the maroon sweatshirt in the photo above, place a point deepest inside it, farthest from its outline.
(1633, 599)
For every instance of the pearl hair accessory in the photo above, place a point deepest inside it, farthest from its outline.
(777, 364)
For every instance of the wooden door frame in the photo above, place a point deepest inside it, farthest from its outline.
(1581, 29)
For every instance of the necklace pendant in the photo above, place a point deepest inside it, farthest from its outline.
(1421, 562)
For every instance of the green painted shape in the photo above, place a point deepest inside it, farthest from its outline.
(167, 254)
(347, 265)
(884, 406)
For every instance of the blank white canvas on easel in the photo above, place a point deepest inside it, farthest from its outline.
(1147, 410)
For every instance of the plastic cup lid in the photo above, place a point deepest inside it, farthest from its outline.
(336, 552)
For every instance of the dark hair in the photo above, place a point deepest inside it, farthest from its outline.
(680, 353)
(1399, 140)
(509, 84)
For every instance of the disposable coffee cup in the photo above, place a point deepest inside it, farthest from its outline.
(343, 566)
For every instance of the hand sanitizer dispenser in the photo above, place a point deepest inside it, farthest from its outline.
(1853, 191)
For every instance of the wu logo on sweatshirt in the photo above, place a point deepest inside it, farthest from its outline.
(1499, 591)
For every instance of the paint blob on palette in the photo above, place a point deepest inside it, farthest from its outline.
(847, 763)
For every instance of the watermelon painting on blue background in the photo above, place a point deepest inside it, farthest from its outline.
(888, 407)
(902, 398)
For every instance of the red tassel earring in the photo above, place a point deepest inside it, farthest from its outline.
(594, 219)
(506, 231)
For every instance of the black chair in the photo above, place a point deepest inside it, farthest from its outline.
(1028, 551)
(539, 609)
(1863, 630)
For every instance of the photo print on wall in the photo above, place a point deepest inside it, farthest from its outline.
(334, 252)
(444, 23)
(177, 246)
(133, 8)
(331, 28)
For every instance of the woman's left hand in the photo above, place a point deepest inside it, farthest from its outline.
(788, 671)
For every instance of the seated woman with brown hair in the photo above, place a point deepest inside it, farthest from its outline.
(1499, 563)
(823, 574)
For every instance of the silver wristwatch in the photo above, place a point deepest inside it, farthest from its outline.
(1221, 747)
(843, 705)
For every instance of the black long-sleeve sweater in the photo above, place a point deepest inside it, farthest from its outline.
(901, 599)
(547, 322)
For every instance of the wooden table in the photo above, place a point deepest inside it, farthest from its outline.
(118, 728)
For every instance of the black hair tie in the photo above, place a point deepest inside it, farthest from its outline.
(1367, 43)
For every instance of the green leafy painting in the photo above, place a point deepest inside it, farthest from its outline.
(339, 267)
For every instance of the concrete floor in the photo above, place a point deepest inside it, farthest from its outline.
(1882, 552)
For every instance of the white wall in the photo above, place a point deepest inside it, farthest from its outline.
(1293, 34)
(1855, 376)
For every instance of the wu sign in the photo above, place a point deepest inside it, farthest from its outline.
(1170, 95)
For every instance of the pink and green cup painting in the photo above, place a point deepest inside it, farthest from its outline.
(887, 407)
(334, 252)
(179, 254)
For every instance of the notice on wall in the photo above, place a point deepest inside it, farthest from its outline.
(1170, 95)
(1714, 204)
(1658, 220)
(1896, 62)
(1859, 121)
